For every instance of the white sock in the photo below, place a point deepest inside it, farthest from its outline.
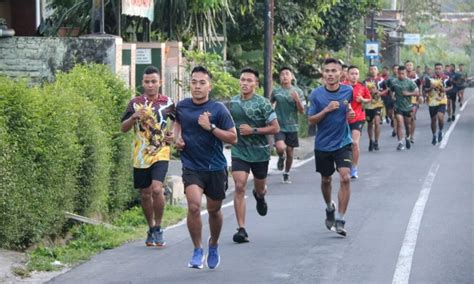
(330, 206)
(340, 216)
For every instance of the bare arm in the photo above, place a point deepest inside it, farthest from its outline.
(413, 93)
(228, 136)
(298, 103)
(129, 122)
(272, 128)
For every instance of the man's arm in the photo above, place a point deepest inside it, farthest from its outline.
(299, 104)
(314, 119)
(228, 136)
(415, 92)
(271, 128)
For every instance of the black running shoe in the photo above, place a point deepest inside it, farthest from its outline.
(376, 146)
(340, 227)
(393, 133)
(433, 141)
(449, 119)
(453, 118)
(262, 207)
(241, 236)
(407, 142)
(280, 164)
(371, 146)
(440, 136)
(331, 217)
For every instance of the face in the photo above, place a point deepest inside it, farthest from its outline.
(285, 77)
(395, 70)
(409, 66)
(402, 74)
(354, 75)
(332, 73)
(200, 86)
(373, 71)
(151, 83)
(439, 69)
(344, 73)
(248, 83)
(461, 68)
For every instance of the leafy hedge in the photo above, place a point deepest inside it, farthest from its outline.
(61, 150)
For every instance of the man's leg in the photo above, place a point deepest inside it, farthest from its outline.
(355, 147)
(344, 191)
(215, 219)
(413, 124)
(240, 180)
(377, 131)
(281, 149)
(194, 222)
(326, 188)
(289, 158)
(158, 201)
(147, 205)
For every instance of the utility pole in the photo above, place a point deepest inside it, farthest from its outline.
(97, 23)
(268, 47)
(372, 33)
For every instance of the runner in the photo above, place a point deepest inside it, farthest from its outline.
(361, 95)
(254, 118)
(373, 110)
(413, 76)
(288, 100)
(462, 85)
(404, 89)
(435, 88)
(387, 99)
(148, 115)
(330, 109)
(202, 125)
(456, 79)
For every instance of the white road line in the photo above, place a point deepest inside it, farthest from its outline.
(465, 104)
(444, 143)
(405, 258)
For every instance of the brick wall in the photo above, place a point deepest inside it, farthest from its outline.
(39, 58)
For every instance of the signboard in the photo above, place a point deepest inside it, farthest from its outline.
(418, 49)
(141, 8)
(372, 49)
(143, 56)
(411, 39)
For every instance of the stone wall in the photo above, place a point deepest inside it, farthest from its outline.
(39, 58)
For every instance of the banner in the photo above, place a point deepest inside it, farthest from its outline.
(141, 8)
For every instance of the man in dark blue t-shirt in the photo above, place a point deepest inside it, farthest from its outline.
(455, 79)
(202, 126)
(329, 109)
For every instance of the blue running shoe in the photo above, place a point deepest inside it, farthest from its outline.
(150, 238)
(158, 236)
(213, 258)
(354, 174)
(197, 261)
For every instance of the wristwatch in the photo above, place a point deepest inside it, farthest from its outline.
(255, 131)
(213, 127)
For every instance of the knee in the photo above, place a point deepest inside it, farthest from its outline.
(146, 193)
(194, 209)
(325, 181)
(214, 211)
(240, 188)
(355, 145)
(345, 178)
(157, 190)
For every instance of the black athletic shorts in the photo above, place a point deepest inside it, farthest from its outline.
(435, 109)
(358, 125)
(290, 138)
(142, 178)
(371, 113)
(404, 113)
(259, 169)
(213, 183)
(388, 101)
(328, 162)
(452, 96)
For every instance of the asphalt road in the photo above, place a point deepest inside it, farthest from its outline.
(410, 220)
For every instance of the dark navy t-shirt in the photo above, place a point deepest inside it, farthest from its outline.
(202, 150)
(333, 130)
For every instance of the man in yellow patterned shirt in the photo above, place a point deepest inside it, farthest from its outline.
(150, 117)
(373, 109)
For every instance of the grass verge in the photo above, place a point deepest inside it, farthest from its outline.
(88, 240)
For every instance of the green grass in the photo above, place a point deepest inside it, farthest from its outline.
(88, 240)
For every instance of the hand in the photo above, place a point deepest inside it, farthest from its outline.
(332, 106)
(351, 114)
(405, 93)
(180, 144)
(204, 120)
(245, 129)
(169, 137)
(138, 114)
(295, 97)
(359, 99)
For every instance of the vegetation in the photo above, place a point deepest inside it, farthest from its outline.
(61, 151)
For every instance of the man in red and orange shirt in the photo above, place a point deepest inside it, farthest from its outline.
(360, 95)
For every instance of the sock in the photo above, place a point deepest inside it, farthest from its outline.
(340, 216)
(286, 173)
(400, 142)
(330, 206)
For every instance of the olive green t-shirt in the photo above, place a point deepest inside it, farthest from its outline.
(403, 103)
(285, 108)
(256, 112)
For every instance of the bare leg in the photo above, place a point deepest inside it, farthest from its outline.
(215, 219)
(158, 201)
(345, 190)
(326, 189)
(289, 158)
(240, 180)
(355, 147)
(377, 127)
(147, 205)
(194, 222)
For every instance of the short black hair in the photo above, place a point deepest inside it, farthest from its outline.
(453, 65)
(395, 65)
(352, 67)
(408, 61)
(373, 65)
(401, 68)
(151, 70)
(438, 64)
(344, 66)
(201, 69)
(461, 64)
(332, 60)
(284, 68)
(249, 70)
